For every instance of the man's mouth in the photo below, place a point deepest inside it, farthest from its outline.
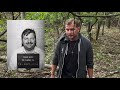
(70, 35)
(29, 44)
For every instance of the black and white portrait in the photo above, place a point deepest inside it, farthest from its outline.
(25, 44)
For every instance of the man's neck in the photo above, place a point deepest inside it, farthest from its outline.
(29, 51)
(75, 39)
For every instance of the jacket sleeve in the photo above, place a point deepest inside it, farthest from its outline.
(56, 54)
(89, 56)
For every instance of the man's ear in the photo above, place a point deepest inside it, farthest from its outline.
(79, 29)
(22, 42)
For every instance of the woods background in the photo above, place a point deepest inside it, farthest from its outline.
(101, 28)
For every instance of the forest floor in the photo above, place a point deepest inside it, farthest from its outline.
(107, 54)
(106, 59)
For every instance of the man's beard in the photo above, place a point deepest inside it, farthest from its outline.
(29, 48)
(72, 37)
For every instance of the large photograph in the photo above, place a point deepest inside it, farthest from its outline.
(25, 44)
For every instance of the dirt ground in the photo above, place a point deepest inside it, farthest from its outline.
(107, 54)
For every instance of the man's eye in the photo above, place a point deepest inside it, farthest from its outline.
(25, 38)
(72, 29)
(32, 38)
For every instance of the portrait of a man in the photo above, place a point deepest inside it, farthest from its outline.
(28, 55)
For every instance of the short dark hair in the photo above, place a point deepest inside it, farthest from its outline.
(73, 20)
(26, 32)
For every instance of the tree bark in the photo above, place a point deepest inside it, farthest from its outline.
(22, 15)
(98, 29)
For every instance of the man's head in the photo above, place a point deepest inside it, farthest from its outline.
(72, 28)
(28, 39)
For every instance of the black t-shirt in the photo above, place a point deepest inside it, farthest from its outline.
(71, 60)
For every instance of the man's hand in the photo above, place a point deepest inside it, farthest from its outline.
(52, 76)
(53, 68)
(90, 72)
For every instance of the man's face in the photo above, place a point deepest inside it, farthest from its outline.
(29, 41)
(72, 31)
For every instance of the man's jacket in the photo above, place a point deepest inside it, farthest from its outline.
(85, 55)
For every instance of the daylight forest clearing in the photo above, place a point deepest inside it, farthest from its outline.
(101, 28)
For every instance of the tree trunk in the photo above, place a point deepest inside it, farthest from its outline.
(22, 15)
(89, 31)
(103, 28)
(98, 29)
(109, 22)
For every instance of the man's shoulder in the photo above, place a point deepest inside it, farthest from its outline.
(85, 39)
(19, 50)
(38, 50)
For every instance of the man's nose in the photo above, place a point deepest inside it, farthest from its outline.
(29, 40)
(70, 31)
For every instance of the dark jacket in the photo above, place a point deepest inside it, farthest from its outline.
(85, 55)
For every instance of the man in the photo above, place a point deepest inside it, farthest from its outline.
(73, 54)
(28, 38)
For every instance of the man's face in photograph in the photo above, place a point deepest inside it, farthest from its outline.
(29, 41)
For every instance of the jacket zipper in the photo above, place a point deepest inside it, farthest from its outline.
(66, 49)
(79, 44)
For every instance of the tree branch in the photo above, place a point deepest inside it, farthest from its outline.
(17, 16)
(3, 33)
(104, 16)
(3, 40)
